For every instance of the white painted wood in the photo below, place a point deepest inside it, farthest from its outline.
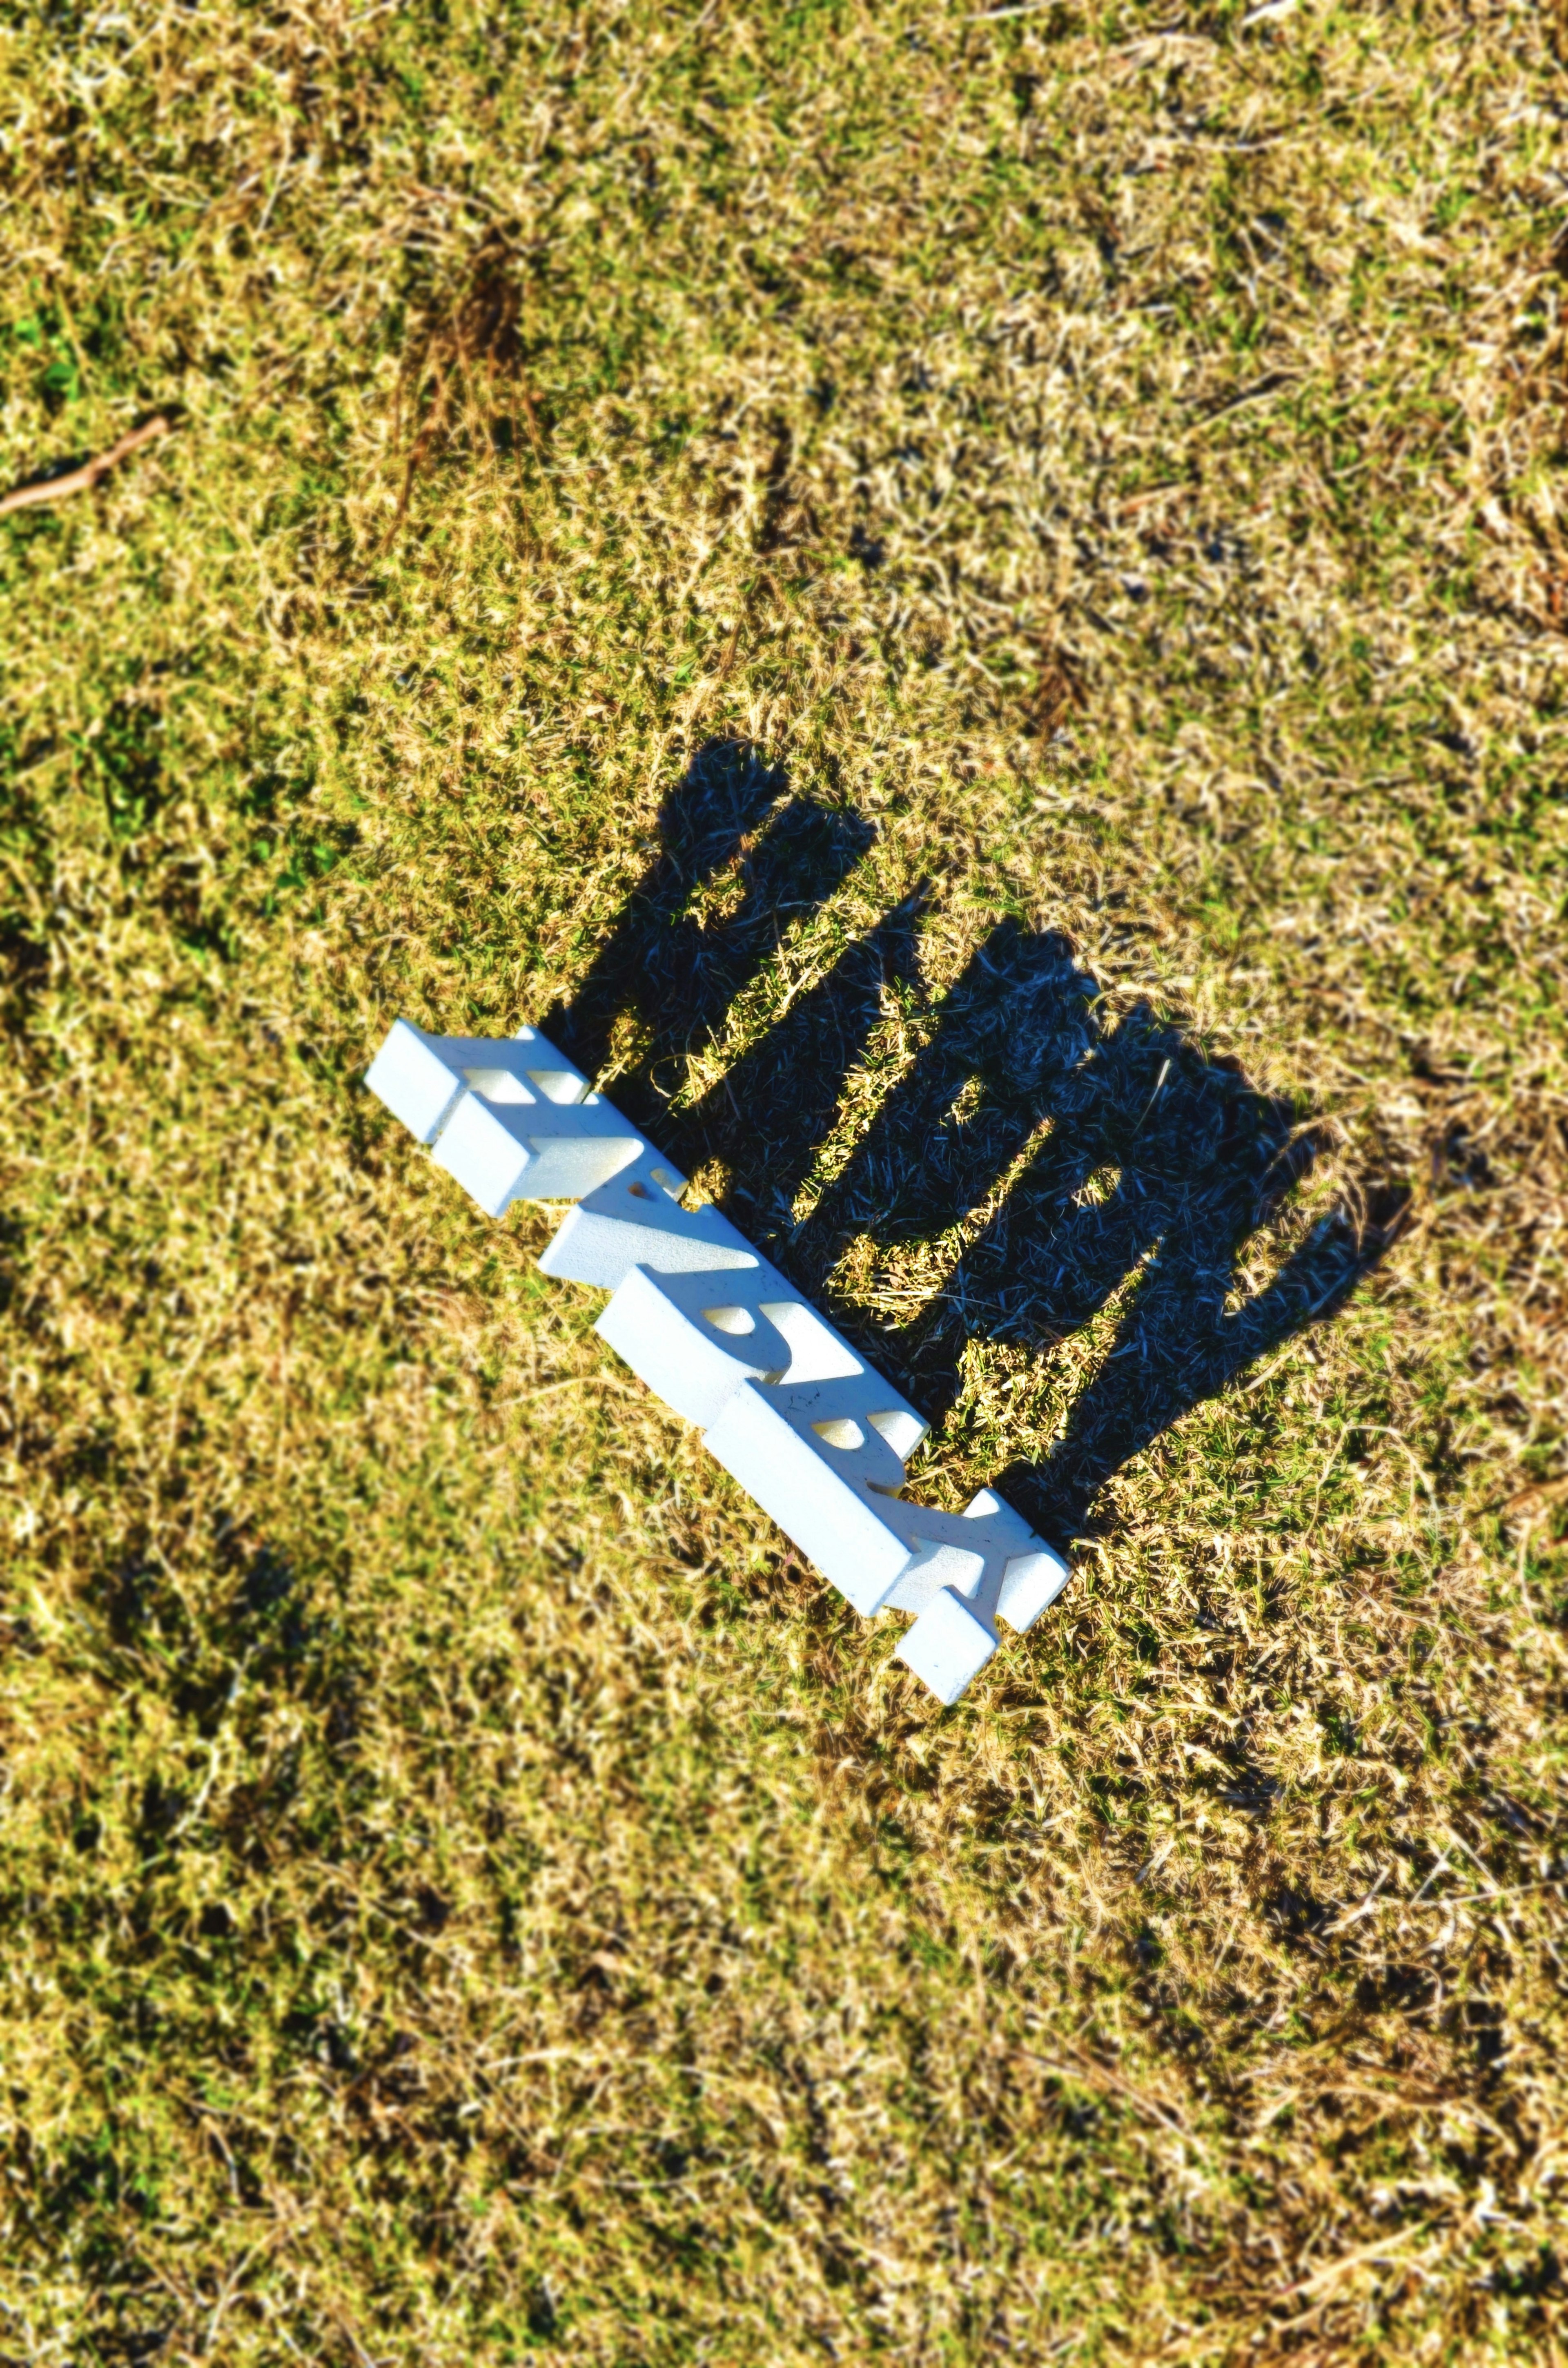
(636, 1220)
(947, 1645)
(785, 1404)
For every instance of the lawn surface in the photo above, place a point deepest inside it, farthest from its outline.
(973, 608)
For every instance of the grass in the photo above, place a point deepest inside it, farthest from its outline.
(975, 608)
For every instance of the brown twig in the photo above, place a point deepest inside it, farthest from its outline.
(82, 480)
(1541, 1492)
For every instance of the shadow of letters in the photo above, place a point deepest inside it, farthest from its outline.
(1144, 1169)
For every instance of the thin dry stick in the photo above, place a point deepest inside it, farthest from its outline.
(82, 480)
(1541, 1493)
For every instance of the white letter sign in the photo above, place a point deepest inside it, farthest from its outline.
(782, 1400)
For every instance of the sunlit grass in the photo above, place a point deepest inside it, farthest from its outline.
(470, 1892)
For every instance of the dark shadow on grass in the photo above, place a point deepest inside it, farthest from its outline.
(678, 971)
(732, 825)
(1144, 1169)
(1140, 1167)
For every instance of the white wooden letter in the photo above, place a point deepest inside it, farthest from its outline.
(785, 1404)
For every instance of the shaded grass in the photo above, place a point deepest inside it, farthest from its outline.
(715, 529)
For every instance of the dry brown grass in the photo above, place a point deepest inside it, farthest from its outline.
(982, 605)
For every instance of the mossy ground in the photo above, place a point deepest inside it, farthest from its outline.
(975, 606)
